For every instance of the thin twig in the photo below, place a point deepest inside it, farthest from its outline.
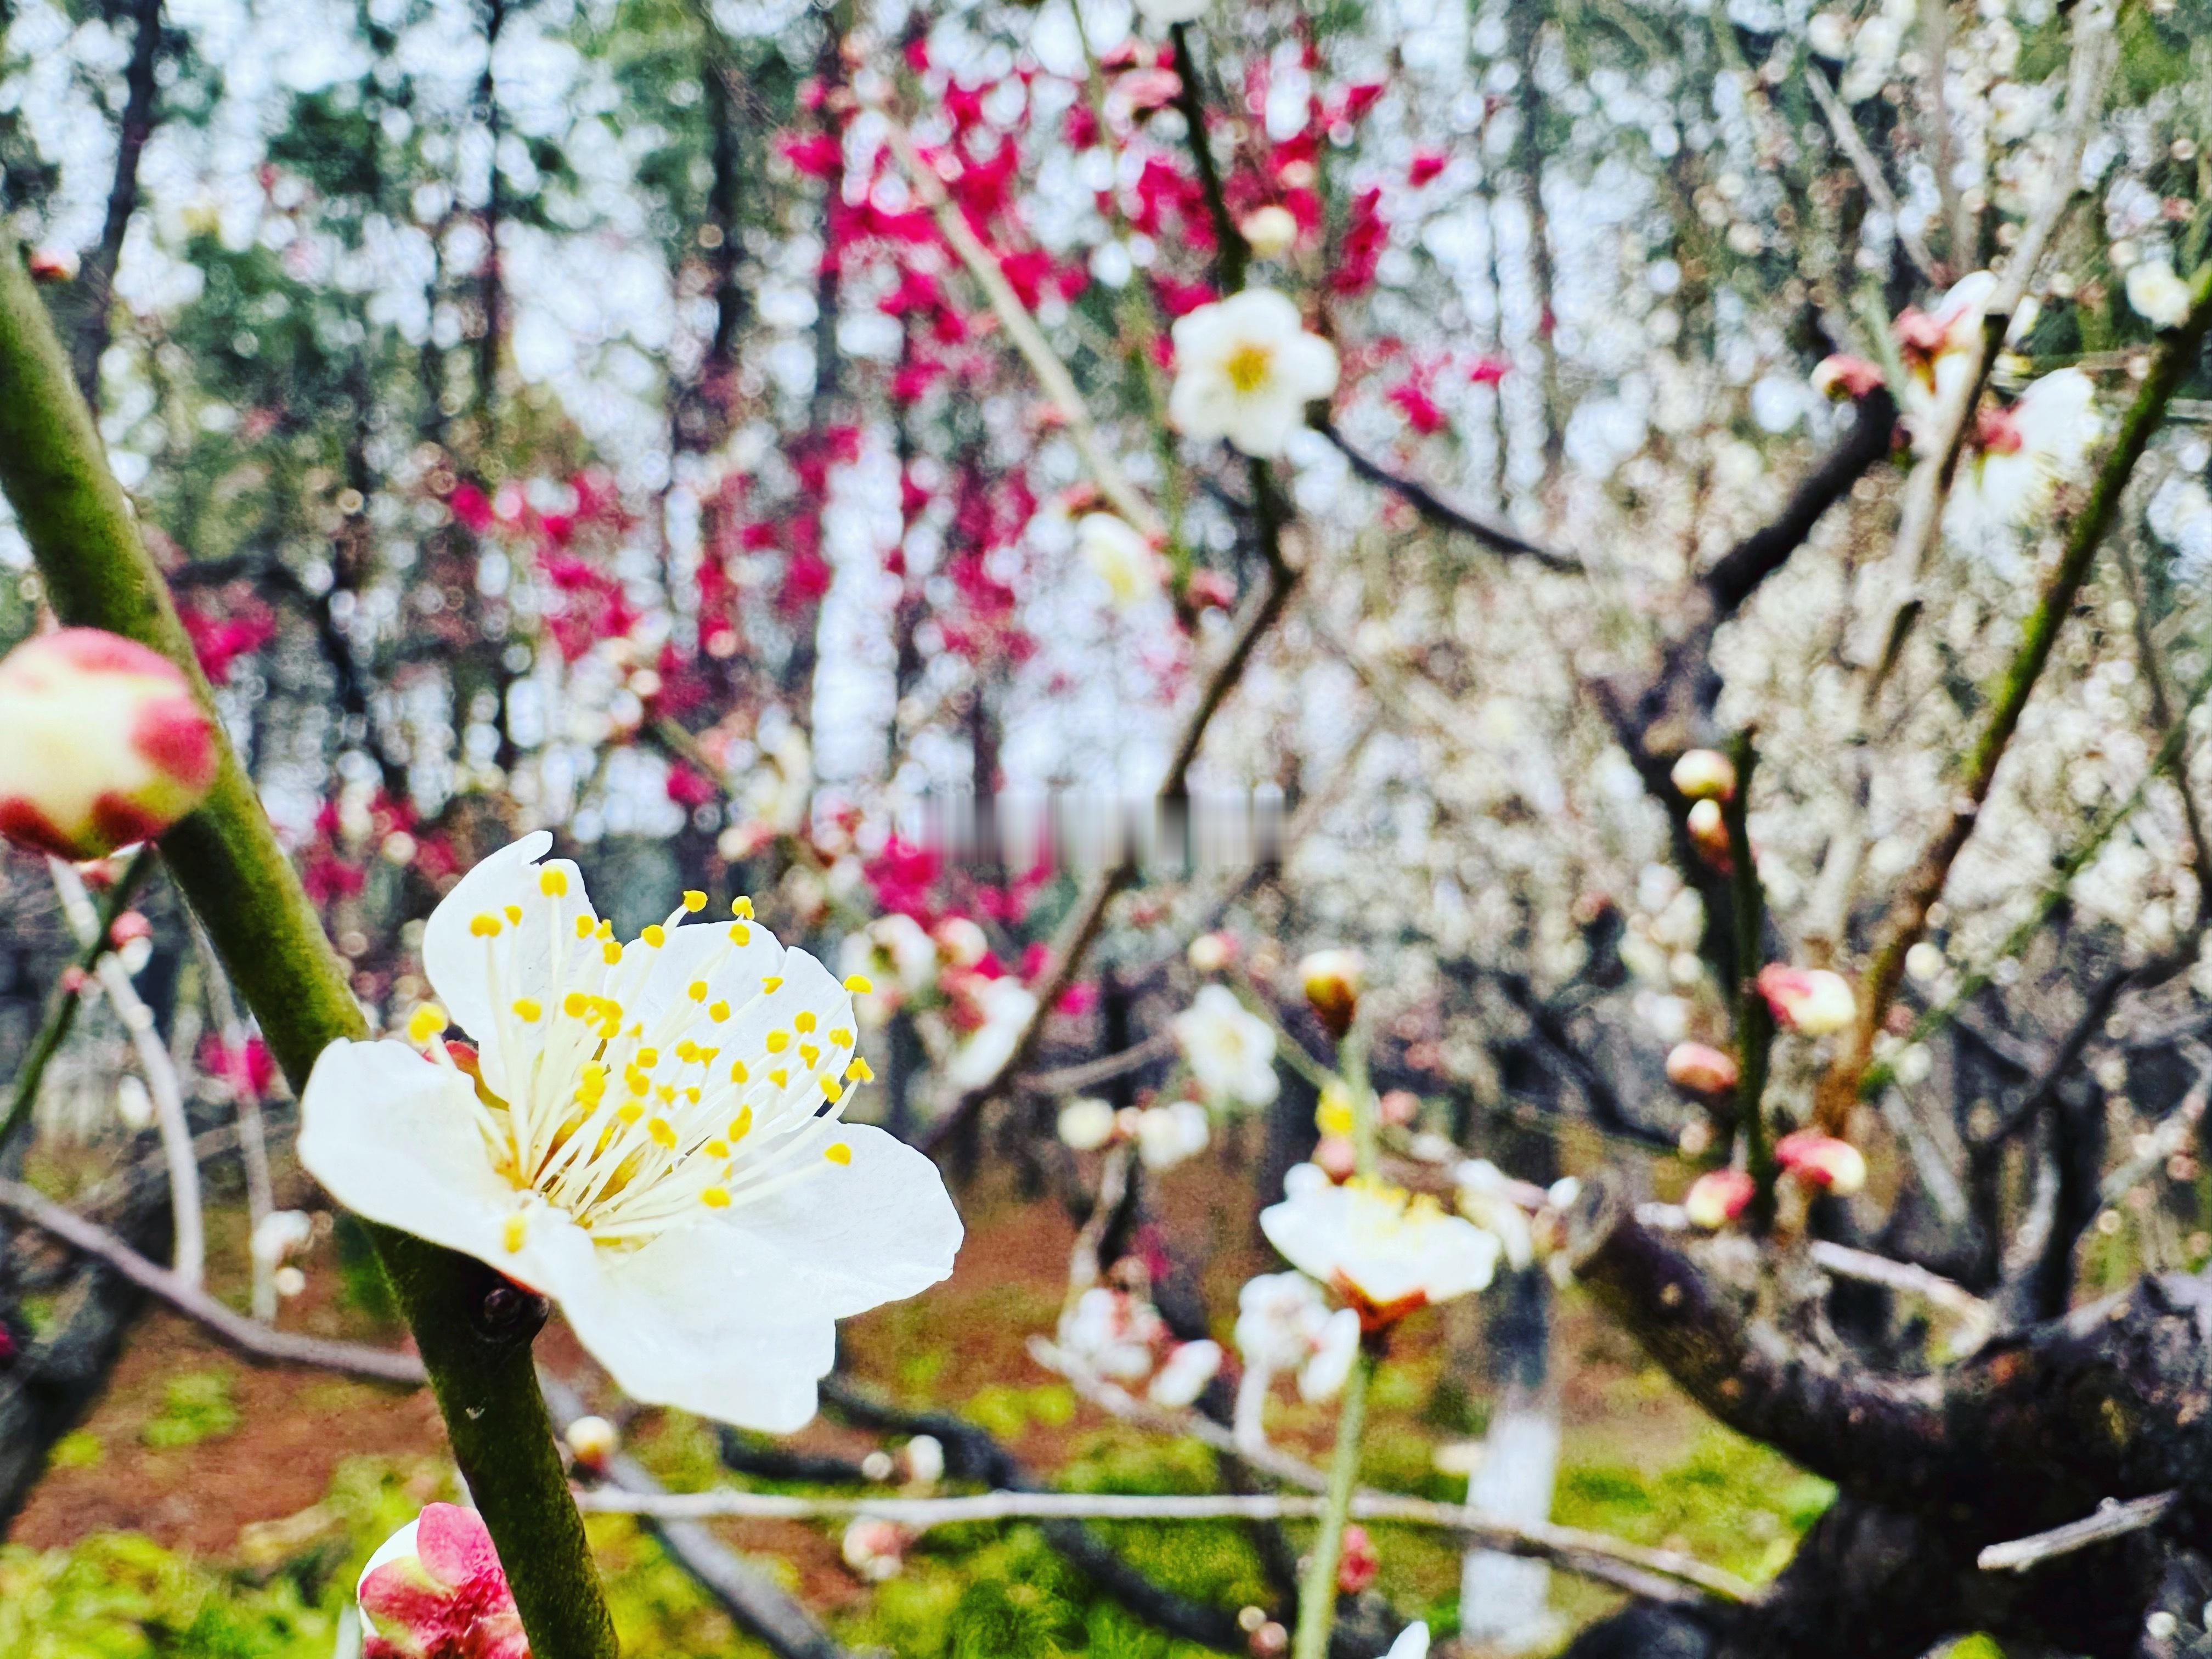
(2114, 1520)
(1862, 161)
(1499, 537)
(1013, 316)
(162, 1087)
(1090, 1073)
(245, 1104)
(247, 1338)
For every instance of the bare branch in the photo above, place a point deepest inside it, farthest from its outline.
(1862, 161)
(2114, 1520)
(1496, 536)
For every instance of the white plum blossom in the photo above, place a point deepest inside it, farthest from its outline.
(2022, 454)
(1120, 556)
(2157, 296)
(1169, 1135)
(1230, 1049)
(1284, 1326)
(1485, 1198)
(1384, 1250)
(1245, 369)
(1113, 1334)
(1007, 1007)
(896, 956)
(650, 1133)
(1189, 1368)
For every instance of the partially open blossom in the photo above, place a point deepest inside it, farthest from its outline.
(2157, 296)
(874, 1548)
(1005, 1007)
(52, 265)
(896, 956)
(1704, 775)
(102, 744)
(278, 1234)
(1698, 1068)
(1285, 1328)
(1210, 953)
(962, 941)
(1230, 1050)
(1811, 1001)
(1822, 1161)
(1270, 232)
(2022, 453)
(1718, 1197)
(1087, 1124)
(1709, 834)
(1190, 1366)
(1841, 376)
(1332, 980)
(591, 1441)
(1171, 1135)
(923, 1457)
(652, 1135)
(434, 1589)
(1118, 1335)
(1384, 1250)
(1245, 369)
(1121, 555)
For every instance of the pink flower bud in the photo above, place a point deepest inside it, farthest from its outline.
(1337, 1158)
(1359, 1566)
(1332, 981)
(102, 744)
(1811, 1001)
(1843, 376)
(1698, 1068)
(130, 925)
(1822, 1161)
(1704, 775)
(434, 1589)
(1717, 1197)
(1709, 835)
(875, 1549)
(52, 265)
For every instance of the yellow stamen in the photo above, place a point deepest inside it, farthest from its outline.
(779, 1077)
(648, 1057)
(778, 1041)
(611, 951)
(772, 983)
(738, 1073)
(805, 1020)
(484, 926)
(717, 1147)
(742, 907)
(741, 1125)
(714, 1198)
(1247, 365)
(513, 913)
(718, 1012)
(860, 1070)
(655, 935)
(740, 934)
(697, 990)
(662, 1131)
(554, 884)
(840, 1038)
(808, 1055)
(513, 1231)
(575, 1005)
(629, 1111)
(694, 901)
(583, 927)
(859, 984)
(527, 1009)
(425, 1023)
(838, 1152)
(832, 1091)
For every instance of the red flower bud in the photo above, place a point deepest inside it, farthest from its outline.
(1698, 1068)
(1718, 1197)
(1811, 1001)
(1822, 1161)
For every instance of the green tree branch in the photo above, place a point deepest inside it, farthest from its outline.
(473, 1328)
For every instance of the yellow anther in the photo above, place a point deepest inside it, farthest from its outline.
(809, 1055)
(583, 927)
(425, 1023)
(714, 1198)
(860, 1070)
(708, 1057)
(513, 913)
(554, 884)
(840, 1038)
(805, 1020)
(611, 951)
(527, 1009)
(575, 1005)
(718, 1012)
(859, 984)
(637, 1082)
(740, 934)
(741, 1125)
(513, 1231)
(697, 990)
(691, 1093)
(832, 1091)
(662, 1131)
(605, 929)
(738, 1073)
(838, 1152)
(715, 1147)
(742, 907)
(778, 1041)
(484, 924)
(629, 1111)
(687, 1051)
(667, 1093)
(779, 1077)
(772, 983)
(655, 935)
(694, 901)
(647, 1059)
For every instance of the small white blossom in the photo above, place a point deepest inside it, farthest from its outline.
(1385, 1250)
(1113, 1334)
(651, 1134)
(1184, 1377)
(1270, 231)
(1485, 1198)
(1007, 1007)
(1087, 1124)
(278, 1234)
(1120, 556)
(2157, 296)
(1230, 1050)
(1245, 369)
(2025, 453)
(1284, 1326)
(898, 958)
(1168, 1135)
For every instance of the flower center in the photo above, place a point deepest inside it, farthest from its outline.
(632, 1119)
(1247, 367)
